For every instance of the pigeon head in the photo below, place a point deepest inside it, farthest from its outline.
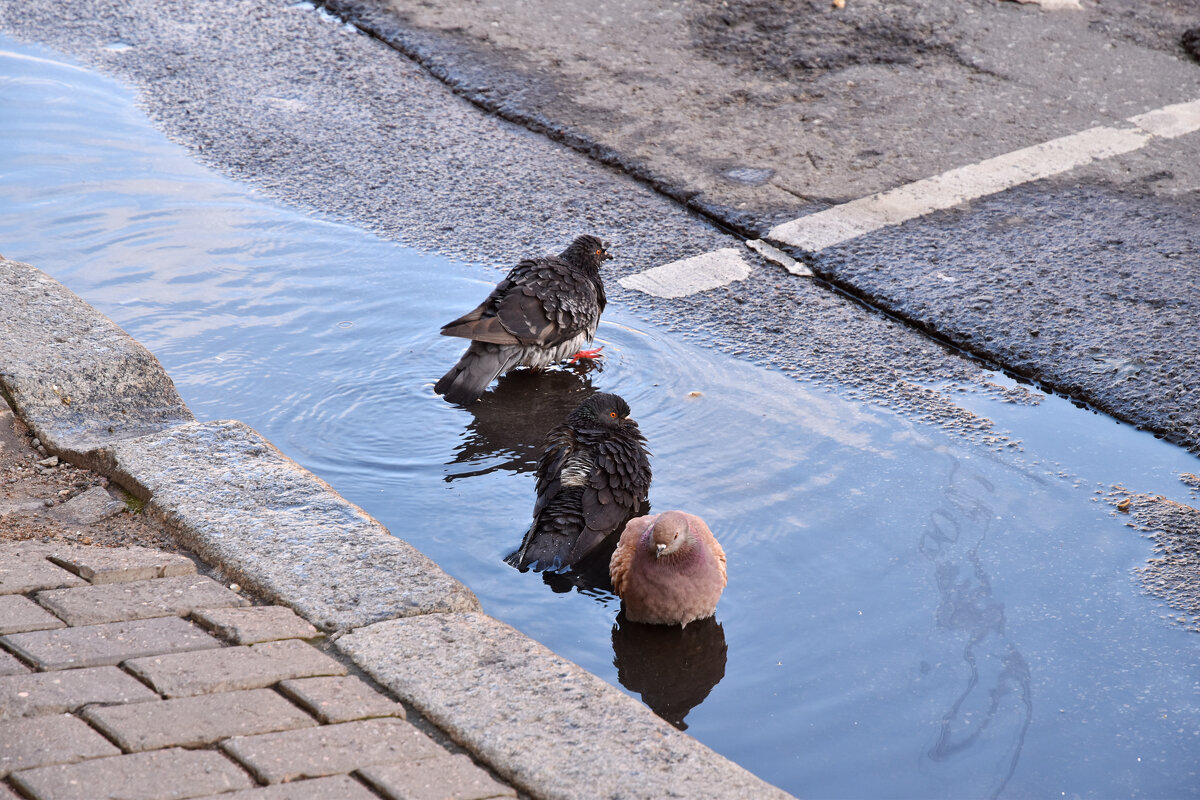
(602, 410)
(670, 533)
(587, 251)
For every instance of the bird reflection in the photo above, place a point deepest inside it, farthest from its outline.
(511, 421)
(673, 668)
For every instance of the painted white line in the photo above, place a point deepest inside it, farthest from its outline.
(690, 275)
(841, 223)
(850, 220)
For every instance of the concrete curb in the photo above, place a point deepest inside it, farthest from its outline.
(97, 398)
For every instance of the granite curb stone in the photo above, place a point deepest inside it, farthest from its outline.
(542, 722)
(234, 499)
(73, 376)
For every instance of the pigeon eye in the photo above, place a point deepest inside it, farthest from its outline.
(599, 252)
(612, 414)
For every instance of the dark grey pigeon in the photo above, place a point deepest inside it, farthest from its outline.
(594, 474)
(544, 311)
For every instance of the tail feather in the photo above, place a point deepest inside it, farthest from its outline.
(478, 367)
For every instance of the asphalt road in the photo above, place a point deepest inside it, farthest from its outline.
(758, 113)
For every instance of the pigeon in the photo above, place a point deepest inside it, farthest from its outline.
(545, 310)
(668, 569)
(593, 476)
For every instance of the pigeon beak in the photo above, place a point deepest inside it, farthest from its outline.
(658, 550)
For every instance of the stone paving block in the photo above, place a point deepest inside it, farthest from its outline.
(54, 739)
(448, 777)
(8, 794)
(340, 787)
(110, 643)
(256, 624)
(330, 749)
(56, 692)
(121, 564)
(234, 499)
(543, 723)
(196, 721)
(178, 596)
(19, 614)
(11, 665)
(233, 668)
(89, 507)
(29, 573)
(340, 699)
(157, 775)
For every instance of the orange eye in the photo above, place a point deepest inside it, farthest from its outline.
(612, 414)
(599, 252)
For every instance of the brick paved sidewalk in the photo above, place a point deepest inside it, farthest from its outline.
(124, 673)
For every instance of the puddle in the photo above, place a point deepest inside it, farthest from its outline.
(908, 614)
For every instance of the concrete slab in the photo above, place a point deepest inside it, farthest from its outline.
(336, 699)
(540, 721)
(330, 749)
(120, 564)
(229, 495)
(179, 596)
(447, 777)
(74, 377)
(159, 775)
(255, 624)
(19, 614)
(232, 668)
(53, 739)
(196, 721)
(56, 692)
(110, 643)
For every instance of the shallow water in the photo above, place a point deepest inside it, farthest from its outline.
(909, 613)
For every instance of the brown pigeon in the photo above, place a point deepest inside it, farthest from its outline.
(668, 569)
(545, 310)
(592, 477)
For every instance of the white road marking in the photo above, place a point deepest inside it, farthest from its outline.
(691, 275)
(841, 223)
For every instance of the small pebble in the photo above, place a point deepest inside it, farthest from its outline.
(48, 502)
(233, 587)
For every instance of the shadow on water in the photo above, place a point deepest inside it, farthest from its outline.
(672, 668)
(899, 599)
(510, 422)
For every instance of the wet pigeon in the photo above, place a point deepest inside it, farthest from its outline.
(545, 310)
(668, 569)
(593, 475)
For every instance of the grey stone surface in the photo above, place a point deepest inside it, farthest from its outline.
(342, 787)
(340, 699)
(196, 721)
(233, 668)
(93, 605)
(120, 564)
(90, 507)
(540, 721)
(158, 775)
(56, 692)
(11, 665)
(27, 570)
(52, 739)
(110, 643)
(19, 614)
(447, 777)
(330, 749)
(233, 498)
(255, 624)
(74, 377)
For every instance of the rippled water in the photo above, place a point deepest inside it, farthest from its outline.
(908, 614)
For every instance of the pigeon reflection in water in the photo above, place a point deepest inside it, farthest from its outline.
(673, 668)
(511, 421)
